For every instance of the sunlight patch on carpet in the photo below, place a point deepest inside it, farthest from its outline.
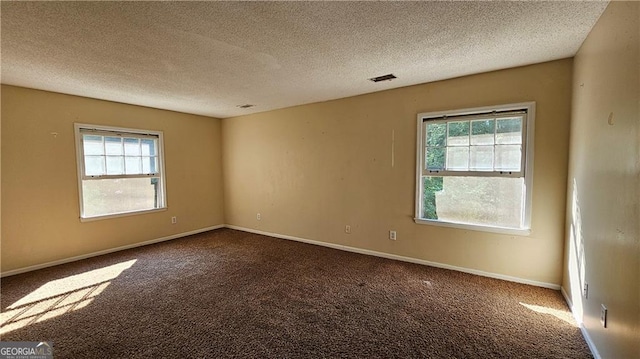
(60, 296)
(563, 315)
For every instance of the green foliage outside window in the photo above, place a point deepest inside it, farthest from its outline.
(430, 186)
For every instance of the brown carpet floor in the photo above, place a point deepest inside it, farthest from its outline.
(231, 294)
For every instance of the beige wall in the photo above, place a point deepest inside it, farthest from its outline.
(310, 170)
(603, 244)
(40, 214)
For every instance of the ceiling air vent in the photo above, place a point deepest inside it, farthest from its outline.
(383, 78)
(245, 106)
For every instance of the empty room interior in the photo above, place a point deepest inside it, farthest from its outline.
(321, 179)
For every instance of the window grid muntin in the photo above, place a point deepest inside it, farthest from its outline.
(153, 158)
(522, 114)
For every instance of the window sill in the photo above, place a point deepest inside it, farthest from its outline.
(474, 227)
(124, 214)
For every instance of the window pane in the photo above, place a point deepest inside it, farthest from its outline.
(435, 158)
(493, 201)
(509, 131)
(482, 132)
(115, 165)
(149, 165)
(113, 145)
(458, 158)
(148, 147)
(132, 165)
(431, 186)
(92, 145)
(132, 147)
(508, 157)
(436, 134)
(111, 196)
(458, 134)
(481, 158)
(93, 165)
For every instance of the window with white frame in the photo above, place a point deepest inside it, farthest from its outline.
(474, 168)
(120, 171)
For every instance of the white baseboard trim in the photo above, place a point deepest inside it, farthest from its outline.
(400, 258)
(569, 302)
(583, 330)
(106, 251)
(298, 239)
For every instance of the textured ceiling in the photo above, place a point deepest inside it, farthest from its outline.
(208, 57)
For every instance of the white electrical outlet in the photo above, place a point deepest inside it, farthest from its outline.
(347, 229)
(603, 315)
(392, 235)
(258, 216)
(174, 220)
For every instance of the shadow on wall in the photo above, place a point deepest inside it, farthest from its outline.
(577, 262)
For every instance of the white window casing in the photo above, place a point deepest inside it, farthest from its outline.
(113, 184)
(447, 165)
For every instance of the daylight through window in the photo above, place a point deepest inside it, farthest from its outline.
(119, 170)
(475, 167)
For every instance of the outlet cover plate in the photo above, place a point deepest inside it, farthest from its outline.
(585, 291)
(603, 315)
